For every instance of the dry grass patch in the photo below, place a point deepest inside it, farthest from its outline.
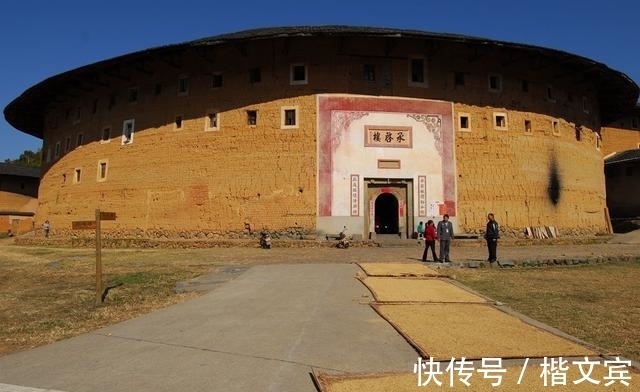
(49, 294)
(596, 303)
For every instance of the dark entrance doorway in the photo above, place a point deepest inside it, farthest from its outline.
(386, 214)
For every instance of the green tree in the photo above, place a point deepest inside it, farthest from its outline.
(28, 158)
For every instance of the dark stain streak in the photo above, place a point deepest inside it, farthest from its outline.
(555, 182)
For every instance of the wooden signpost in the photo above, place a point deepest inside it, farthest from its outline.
(95, 224)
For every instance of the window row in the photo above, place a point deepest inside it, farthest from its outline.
(289, 120)
(101, 174)
(500, 123)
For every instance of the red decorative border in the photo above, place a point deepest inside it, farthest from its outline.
(328, 103)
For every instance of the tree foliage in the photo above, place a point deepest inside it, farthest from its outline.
(27, 158)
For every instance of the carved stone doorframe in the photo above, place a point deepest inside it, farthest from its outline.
(402, 189)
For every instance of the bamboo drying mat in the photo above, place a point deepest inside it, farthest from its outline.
(397, 269)
(417, 290)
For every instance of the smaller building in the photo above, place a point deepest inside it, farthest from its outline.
(622, 174)
(18, 198)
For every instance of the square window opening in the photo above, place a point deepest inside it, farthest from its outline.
(183, 85)
(216, 80)
(252, 117)
(369, 72)
(290, 118)
(298, 74)
(495, 83)
(255, 76)
(212, 120)
(127, 131)
(417, 71)
(106, 134)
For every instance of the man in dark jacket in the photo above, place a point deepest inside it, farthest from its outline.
(445, 235)
(491, 235)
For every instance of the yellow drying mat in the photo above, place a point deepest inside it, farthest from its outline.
(397, 269)
(417, 290)
(455, 330)
(531, 380)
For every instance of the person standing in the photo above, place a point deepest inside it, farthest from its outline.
(46, 227)
(492, 234)
(445, 235)
(430, 241)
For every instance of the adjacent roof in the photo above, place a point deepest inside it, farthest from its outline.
(617, 93)
(10, 169)
(623, 156)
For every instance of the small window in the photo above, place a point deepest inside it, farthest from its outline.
(527, 127)
(178, 122)
(550, 94)
(298, 74)
(77, 176)
(183, 85)
(369, 72)
(56, 154)
(112, 101)
(133, 94)
(417, 72)
(578, 130)
(255, 76)
(599, 142)
(289, 118)
(79, 139)
(458, 79)
(211, 121)
(127, 131)
(495, 83)
(106, 135)
(48, 155)
(463, 122)
(500, 121)
(216, 80)
(525, 86)
(67, 144)
(157, 89)
(628, 171)
(634, 122)
(77, 114)
(585, 105)
(102, 170)
(555, 127)
(252, 117)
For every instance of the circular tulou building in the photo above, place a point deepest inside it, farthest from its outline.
(305, 130)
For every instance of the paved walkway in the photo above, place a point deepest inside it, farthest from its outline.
(265, 329)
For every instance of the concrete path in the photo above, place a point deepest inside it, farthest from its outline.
(263, 331)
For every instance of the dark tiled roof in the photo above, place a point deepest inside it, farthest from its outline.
(624, 156)
(616, 92)
(10, 169)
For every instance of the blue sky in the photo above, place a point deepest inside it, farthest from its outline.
(42, 38)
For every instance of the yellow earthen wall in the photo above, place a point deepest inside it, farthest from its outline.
(194, 183)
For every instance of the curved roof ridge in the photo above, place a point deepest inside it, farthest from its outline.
(23, 112)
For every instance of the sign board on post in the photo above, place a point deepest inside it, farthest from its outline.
(95, 224)
(107, 215)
